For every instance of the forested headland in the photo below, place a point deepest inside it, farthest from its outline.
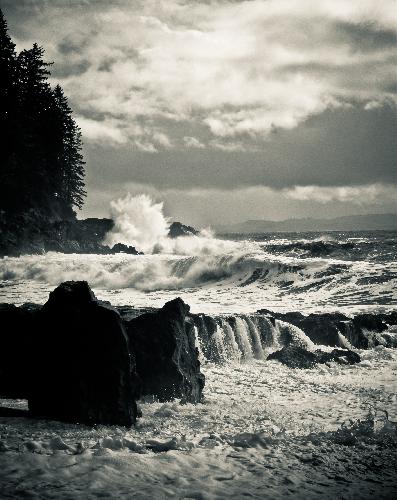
(42, 167)
(41, 163)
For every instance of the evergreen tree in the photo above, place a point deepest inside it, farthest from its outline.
(8, 105)
(35, 131)
(70, 160)
(42, 167)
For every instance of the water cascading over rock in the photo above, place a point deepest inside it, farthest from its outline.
(244, 337)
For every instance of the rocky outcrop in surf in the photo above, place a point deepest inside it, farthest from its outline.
(31, 234)
(79, 359)
(166, 354)
(338, 330)
(76, 358)
(81, 367)
(297, 357)
(178, 229)
(251, 336)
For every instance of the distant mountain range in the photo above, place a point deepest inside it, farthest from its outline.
(368, 222)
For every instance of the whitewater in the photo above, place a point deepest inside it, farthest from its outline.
(284, 273)
(264, 430)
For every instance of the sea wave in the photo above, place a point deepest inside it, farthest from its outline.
(173, 272)
(351, 249)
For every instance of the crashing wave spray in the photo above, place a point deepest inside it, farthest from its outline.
(138, 221)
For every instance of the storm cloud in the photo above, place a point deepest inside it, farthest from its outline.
(224, 94)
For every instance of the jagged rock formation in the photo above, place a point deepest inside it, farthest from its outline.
(73, 358)
(166, 355)
(178, 229)
(82, 368)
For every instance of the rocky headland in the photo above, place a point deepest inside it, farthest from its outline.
(32, 233)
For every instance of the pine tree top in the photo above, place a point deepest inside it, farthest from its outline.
(6, 44)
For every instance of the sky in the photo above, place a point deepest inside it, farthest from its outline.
(227, 110)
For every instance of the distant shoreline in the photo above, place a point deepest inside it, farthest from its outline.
(367, 222)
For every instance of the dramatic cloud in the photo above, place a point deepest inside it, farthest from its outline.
(228, 110)
(236, 69)
(373, 194)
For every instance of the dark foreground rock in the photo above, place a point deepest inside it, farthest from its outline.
(298, 357)
(82, 369)
(74, 360)
(15, 345)
(166, 356)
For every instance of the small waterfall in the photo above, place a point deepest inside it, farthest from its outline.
(244, 337)
(343, 342)
(234, 351)
(219, 339)
(291, 334)
(269, 331)
(197, 342)
(255, 337)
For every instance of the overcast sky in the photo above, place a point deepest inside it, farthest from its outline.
(228, 110)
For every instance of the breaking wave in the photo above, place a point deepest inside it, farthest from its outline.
(247, 278)
(326, 246)
(216, 275)
(140, 222)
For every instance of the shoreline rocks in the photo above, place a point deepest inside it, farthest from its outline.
(82, 369)
(334, 329)
(166, 356)
(34, 234)
(79, 359)
(76, 359)
(298, 357)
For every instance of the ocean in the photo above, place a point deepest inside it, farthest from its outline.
(264, 430)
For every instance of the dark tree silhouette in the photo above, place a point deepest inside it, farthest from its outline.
(8, 106)
(70, 161)
(42, 168)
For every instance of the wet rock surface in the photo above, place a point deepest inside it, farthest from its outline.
(294, 357)
(178, 229)
(166, 355)
(362, 331)
(82, 369)
(15, 343)
(298, 357)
